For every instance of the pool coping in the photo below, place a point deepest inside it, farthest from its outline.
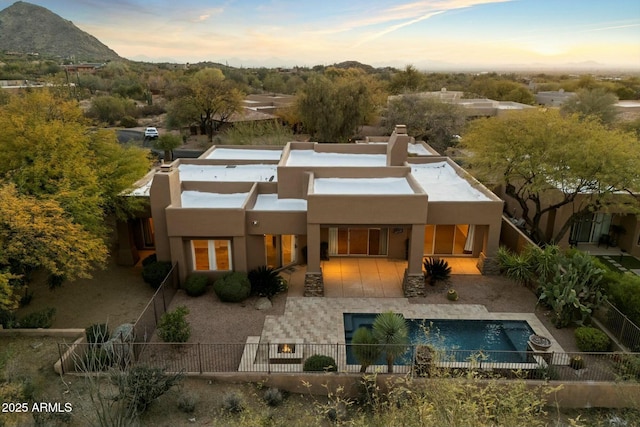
(321, 321)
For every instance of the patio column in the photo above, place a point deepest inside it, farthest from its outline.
(413, 281)
(313, 281)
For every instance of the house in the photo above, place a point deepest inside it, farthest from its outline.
(239, 207)
(553, 98)
(473, 107)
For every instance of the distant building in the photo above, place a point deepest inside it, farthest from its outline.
(475, 107)
(553, 98)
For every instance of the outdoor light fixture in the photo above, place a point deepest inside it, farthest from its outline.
(255, 223)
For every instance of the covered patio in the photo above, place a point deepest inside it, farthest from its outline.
(359, 277)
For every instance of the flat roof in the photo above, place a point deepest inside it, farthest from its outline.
(271, 202)
(380, 186)
(441, 182)
(418, 149)
(203, 199)
(313, 158)
(244, 154)
(229, 173)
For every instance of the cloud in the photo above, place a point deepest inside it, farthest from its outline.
(208, 14)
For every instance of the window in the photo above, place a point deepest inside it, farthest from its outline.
(211, 255)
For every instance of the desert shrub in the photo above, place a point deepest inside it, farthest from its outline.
(173, 326)
(39, 319)
(233, 402)
(152, 110)
(625, 295)
(97, 359)
(365, 348)
(436, 270)
(273, 397)
(187, 402)
(196, 285)
(155, 272)
(628, 367)
(320, 363)
(591, 339)
(8, 319)
(54, 281)
(149, 260)
(128, 122)
(97, 333)
(232, 287)
(141, 385)
(266, 282)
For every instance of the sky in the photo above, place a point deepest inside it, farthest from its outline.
(436, 34)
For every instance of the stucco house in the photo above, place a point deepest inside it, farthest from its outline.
(240, 207)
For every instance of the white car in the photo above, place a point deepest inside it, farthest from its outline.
(151, 133)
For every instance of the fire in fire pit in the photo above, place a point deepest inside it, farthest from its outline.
(286, 348)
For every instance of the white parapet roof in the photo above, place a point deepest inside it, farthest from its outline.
(313, 158)
(244, 154)
(202, 199)
(380, 186)
(271, 202)
(229, 173)
(441, 182)
(418, 149)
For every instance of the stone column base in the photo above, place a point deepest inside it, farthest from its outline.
(313, 285)
(413, 285)
(488, 265)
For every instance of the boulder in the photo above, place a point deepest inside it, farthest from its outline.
(263, 304)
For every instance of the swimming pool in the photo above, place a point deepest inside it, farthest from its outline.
(501, 340)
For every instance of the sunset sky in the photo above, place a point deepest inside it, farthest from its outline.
(459, 33)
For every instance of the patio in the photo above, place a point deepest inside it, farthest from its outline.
(350, 277)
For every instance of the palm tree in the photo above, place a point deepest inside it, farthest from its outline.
(391, 332)
(365, 348)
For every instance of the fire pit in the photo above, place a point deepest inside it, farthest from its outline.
(286, 351)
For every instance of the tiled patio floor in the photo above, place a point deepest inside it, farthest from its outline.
(347, 277)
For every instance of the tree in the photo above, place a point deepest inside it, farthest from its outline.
(546, 161)
(391, 332)
(406, 81)
(9, 297)
(111, 109)
(204, 98)
(366, 348)
(167, 142)
(593, 103)
(333, 106)
(37, 233)
(426, 118)
(60, 179)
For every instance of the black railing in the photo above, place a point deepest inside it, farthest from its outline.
(292, 358)
(619, 325)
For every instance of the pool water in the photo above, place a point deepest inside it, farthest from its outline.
(500, 340)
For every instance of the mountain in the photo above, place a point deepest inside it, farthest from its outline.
(27, 28)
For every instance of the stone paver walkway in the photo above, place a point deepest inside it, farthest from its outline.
(612, 260)
(320, 320)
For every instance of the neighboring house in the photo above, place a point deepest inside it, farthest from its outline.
(553, 98)
(237, 208)
(618, 229)
(481, 107)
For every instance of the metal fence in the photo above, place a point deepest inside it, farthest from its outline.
(297, 357)
(619, 325)
(146, 323)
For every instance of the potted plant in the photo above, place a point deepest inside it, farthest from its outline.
(452, 295)
(576, 362)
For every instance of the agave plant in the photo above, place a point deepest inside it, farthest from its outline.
(435, 270)
(266, 282)
(390, 330)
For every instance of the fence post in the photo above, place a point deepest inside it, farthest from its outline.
(61, 361)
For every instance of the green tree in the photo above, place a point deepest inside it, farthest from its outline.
(407, 81)
(365, 348)
(332, 107)
(168, 142)
(593, 103)
(111, 109)
(9, 297)
(546, 161)
(390, 330)
(426, 118)
(204, 98)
